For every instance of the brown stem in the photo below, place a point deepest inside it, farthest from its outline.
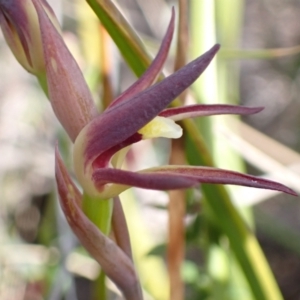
(176, 245)
(176, 208)
(106, 67)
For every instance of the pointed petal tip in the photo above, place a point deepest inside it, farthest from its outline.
(257, 109)
(215, 48)
(246, 110)
(281, 188)
(172, 14)
(290, 191)
(210, 54)
(201, 62)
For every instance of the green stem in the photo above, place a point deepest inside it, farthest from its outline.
(100, 292)
(42, 79)
(99, 211)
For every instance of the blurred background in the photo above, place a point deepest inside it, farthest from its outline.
(39, 256)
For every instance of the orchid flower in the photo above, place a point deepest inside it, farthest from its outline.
(138, 113)
(141, 113)
(101, 141)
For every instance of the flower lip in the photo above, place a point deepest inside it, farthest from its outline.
(161, 127)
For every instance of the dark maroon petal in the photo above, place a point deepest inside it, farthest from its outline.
(121, 121)
(153, 71)
(177, 177)
(199, 110)
(151, 181)
(103, 160)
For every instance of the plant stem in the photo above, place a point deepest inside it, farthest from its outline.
(99, 211)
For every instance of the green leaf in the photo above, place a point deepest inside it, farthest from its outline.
(123, 35)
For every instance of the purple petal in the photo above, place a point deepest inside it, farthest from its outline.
(199, 110)
(151, 181)
(65, 184)
(115, 263)
(152, 72)
(103, 160)
(177, 177)
(70, 97)
(121, 121)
